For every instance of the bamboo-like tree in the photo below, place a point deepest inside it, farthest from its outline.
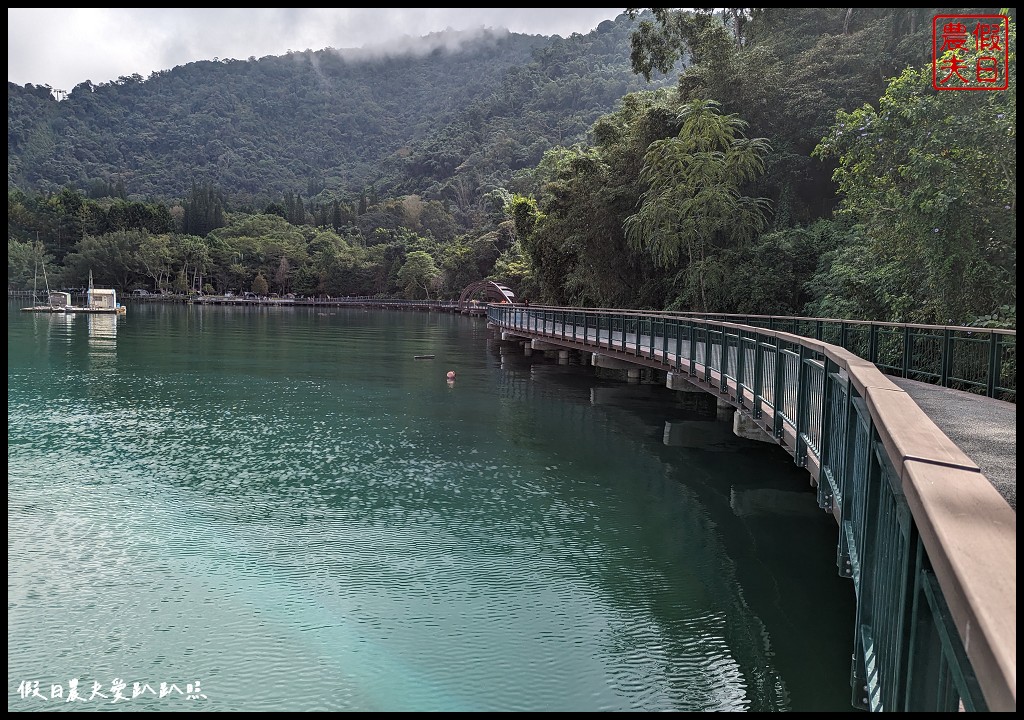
(694, 203)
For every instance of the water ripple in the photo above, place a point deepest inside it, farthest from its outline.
(293, 511)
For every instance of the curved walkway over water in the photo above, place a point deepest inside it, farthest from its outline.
(983, 427)
(927, 540)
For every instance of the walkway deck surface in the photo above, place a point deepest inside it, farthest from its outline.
(984, 428)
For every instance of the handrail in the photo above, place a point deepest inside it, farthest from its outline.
(977, 360)
(927, 540)
(740, 316)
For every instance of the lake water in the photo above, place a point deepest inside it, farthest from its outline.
(283, 506)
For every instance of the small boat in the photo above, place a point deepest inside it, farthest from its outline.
(58, 303)
(422, 357)
(99, 300)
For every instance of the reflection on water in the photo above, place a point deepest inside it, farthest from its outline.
(102, 343)
(299, 514)
(60, 327)
(102, 332)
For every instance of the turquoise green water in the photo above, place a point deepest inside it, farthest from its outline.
(285, 506)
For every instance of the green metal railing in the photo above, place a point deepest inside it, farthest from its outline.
(977, 360)
(813, 398)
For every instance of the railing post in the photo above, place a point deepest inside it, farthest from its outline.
(947, 357)
(777, 400)
(723, 381)
(993, 364)
(693, 350)
(740, 367)
(664, 341)
(707, 355)
(803, 406)
(906, 349)
(679, 345)
(824, 442)
(873, 344)
(758, 380)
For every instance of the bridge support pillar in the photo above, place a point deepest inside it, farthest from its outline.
(527, 350)
(678, 381)
(541, 345)
(604, 361)
(744, 426)
(505, 335)
(633, 375)
(563, 357)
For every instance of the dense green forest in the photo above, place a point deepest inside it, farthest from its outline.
(790, 161)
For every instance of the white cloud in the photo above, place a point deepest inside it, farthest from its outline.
(62, 47)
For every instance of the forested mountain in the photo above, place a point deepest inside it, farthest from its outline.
(781, 160)
(341, 120)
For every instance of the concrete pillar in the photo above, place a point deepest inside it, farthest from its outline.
(633, 375)
(612, 363)
(743, 426)
(563, 357)
(680, 382)
(527, 350)
(542, 345)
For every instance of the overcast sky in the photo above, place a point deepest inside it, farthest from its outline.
(62, 47)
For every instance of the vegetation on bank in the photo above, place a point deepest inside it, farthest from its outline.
(801, 164)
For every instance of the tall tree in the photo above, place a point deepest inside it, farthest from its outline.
(283, 275)
(419, 273)
(259, 285)
(694, 202)
(676, 34)
(204, 211)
